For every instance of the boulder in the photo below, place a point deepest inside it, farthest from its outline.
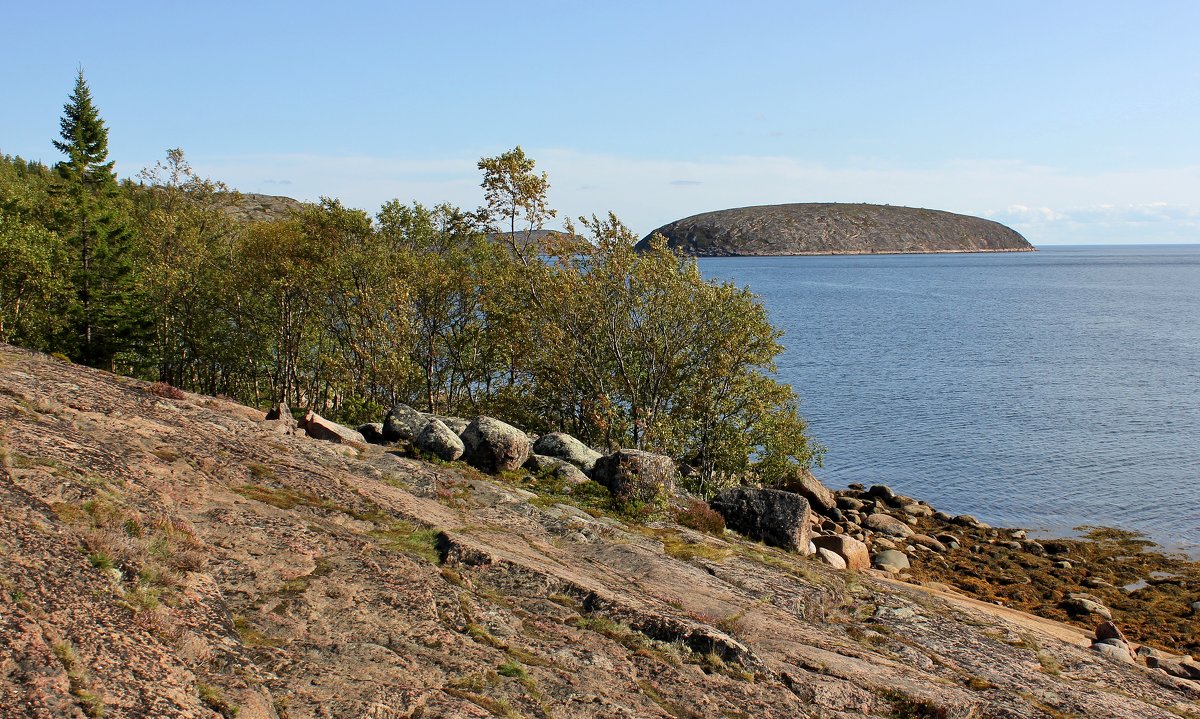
(773, 516)
(372, 432)
(1080, 604)
(565, 447)
(317, 427)
(925, 540)
(890, 560)
(440, 441)
(493, 446)
(1118, 651)
(853, 552)
(636, 476)
(281, 418)
(555, 467)
(831, 558)
(402, 423)
(888, 525)
(457, 425)
(850, 504)
(802, 482)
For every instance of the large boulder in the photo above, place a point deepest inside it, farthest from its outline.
(440, 441)
(802, 482)
(457, 425)
(317, 427)
(779, 518)
(565, 447)
(636, 476)
(851, 550)
(403, 423)
(493, 446)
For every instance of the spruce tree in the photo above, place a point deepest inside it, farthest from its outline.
(103, 317)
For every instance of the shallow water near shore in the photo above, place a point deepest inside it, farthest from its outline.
(1044, 390)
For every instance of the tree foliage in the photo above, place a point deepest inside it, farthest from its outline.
(450, 311)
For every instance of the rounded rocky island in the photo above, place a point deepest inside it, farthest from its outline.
(833, 228)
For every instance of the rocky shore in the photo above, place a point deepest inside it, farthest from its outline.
(172, 554)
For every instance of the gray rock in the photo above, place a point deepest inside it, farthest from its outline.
(317, 427)
(635, 476)
(403, 423)
(881, 491)
(890, 560)
(557, 468)
(372, 432)
(1111, 651)
(565, 447)
(1195, 607)
(457, 425)
(1063, 564)
(1080, 604)
(831, 558)
(888, 525)
(853, 552)
(966, 520)
(1108, 630)
(850, 504)
(916, 509)
(926, 541)
(778, 518)
(494, 446)
(1035, 548)
(943, 517)
(440, 441)
(802, 482)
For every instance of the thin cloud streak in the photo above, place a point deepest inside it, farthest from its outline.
(1049, 205)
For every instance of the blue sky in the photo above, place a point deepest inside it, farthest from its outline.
(1071, 121)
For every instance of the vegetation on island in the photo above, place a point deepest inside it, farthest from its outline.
(449, 310)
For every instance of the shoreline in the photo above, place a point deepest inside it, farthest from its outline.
(845, 253)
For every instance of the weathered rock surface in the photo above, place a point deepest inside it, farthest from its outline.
(636, 476)
(440, 441)
(403, 423)
(778, 518)
(317, 427)
(250, 207)
(835, 229)
(494, 446)
(565, 447)
(891, 560)
(304, 580)
(559, 468)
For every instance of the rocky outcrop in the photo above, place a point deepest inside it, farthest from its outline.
(835, 229)
(177, 558)
(251, 207)
(778, 518)
(493, 446)
(802, 482)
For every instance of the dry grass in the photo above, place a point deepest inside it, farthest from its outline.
(162, 389)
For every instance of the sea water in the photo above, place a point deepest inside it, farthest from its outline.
(1046, 390)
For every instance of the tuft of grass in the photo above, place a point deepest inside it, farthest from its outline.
(79, 686)
(411, 538)
(1049, 664)
(259, 470)
(512, 670)
(250, 636)
(214, 699)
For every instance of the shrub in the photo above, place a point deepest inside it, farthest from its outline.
(702, 518)
(162, 389)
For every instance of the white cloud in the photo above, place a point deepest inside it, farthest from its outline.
(1047, 204)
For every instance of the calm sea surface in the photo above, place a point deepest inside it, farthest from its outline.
(1046, 390)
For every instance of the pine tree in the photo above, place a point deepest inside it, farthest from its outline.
(103, 316)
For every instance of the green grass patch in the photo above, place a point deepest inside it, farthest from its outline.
(410, 538)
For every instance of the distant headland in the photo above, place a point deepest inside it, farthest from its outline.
(834, 228)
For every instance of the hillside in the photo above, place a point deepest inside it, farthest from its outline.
(170, 554)
(835, 229)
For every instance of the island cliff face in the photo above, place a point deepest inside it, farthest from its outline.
(832, 228)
